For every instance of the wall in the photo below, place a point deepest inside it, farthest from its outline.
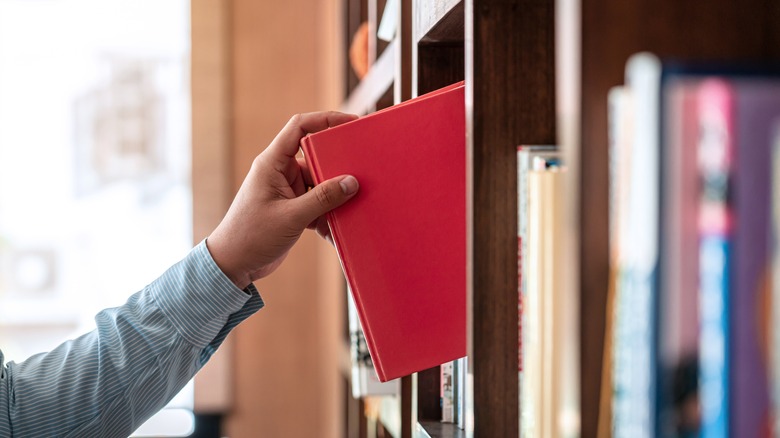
(255, 64)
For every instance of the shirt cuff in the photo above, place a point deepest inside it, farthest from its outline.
(199, 298)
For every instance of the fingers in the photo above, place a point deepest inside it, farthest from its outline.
(286, 142)
(305, 173)
(324, 198)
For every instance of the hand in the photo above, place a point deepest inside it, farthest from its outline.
(274, 206)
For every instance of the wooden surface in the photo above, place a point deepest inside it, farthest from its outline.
(612, 30)
(286, 378)
(429, 394)
(438, 21)
(438, 65)
(211, 167)
(511, 101)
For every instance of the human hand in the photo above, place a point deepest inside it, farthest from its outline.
(274, 206)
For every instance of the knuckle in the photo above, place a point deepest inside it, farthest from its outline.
(295, 120)
(324, 195)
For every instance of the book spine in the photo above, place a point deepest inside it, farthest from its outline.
(520, 278)
(635, 368)
(311, 160)
(447, 394)
(756, 106)
(460, 393)
(715, 152)
(618, 122)
(775, 292)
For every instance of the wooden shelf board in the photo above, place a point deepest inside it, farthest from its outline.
(439, 21)
(436, 429)
(379, 78)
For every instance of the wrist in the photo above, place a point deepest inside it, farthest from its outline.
(224, 261)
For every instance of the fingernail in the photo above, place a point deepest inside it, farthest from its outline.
(349, 185)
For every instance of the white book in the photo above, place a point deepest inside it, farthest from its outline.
(633, 409)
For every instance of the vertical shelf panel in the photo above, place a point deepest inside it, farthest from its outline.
(511, 101)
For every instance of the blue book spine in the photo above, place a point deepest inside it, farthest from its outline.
(714, 369)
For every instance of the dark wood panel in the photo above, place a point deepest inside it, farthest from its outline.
(612, 30)
(407, 396)
(511, 101)
(429, 394)
(439, 66)
(355, 13)
(403, 77)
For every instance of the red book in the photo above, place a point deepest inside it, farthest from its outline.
(402, 239)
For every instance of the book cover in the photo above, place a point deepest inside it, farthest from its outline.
(402, 239)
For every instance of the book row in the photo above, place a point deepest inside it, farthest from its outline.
(694, 225)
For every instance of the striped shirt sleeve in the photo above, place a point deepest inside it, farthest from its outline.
(107, 382)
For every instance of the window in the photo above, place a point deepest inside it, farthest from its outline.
(95, 198)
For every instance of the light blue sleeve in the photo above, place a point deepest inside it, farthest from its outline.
(106, 383)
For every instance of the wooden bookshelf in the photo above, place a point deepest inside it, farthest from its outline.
(510, 101)
(611, 31)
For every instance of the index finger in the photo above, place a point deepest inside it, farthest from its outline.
(288, 139)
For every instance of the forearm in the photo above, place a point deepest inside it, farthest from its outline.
(107, 382)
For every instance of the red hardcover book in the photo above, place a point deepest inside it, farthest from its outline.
(402, 239)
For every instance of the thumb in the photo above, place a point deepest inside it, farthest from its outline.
(325, 197)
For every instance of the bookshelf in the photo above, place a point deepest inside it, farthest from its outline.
(611, 31)
(510, 101)
(506, 51)
(537, 72)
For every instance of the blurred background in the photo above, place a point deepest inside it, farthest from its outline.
(126, 127)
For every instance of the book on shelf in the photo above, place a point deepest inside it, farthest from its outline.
(545, 340)
(774, 338)
(747, 111)
(402, 239)
(447, 392)
(619, 129)
(452, 394)
(460, 370)
(692, 250)
(636, 187)
(716, 150)
(525, 159)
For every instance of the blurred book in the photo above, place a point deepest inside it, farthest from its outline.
(691, 250)
(447, 393)
(636, 254)
(774, 340)
(460, 370)
(388, 25)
